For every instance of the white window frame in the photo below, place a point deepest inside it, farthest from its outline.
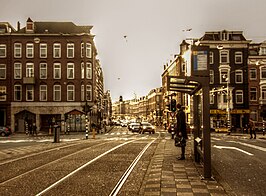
(88, 71)
(211, 57)
(211, 76)
(57, 89)
(262, 51)
(43, 69)
(43, 50)
(17, 50)
(238, 55)
(29, 90)
(82, 93)
(43, 92)
(237, 94)
(239, 75)
(224, 74)
(263, 92)
(70, 50)
(57, 50)
(2, 50)
(89, 92)
(88, 50)
(70, 70)
(57, 68)
(29, 70)
(3, 90)
(82, 70)
(17, 69)
(255, 73)
(224, 54)
(30, 50)
(82, 49)
(263, 73)
(17, 89)
(2, 71)
(71, 92)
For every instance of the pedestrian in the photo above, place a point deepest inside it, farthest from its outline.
(34, 127)
(252, 130)
(181, 129)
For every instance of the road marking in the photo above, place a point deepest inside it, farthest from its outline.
(234, 148)
(250, 145)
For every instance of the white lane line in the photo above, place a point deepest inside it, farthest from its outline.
(234, 148)
(250, 145)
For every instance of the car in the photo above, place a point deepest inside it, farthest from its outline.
(134, 127)
(147, 127)
(5, 131)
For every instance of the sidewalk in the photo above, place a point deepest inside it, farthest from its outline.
(168, 176)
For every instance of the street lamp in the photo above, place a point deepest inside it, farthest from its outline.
(228, 98)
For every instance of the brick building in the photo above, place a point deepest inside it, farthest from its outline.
(49, 70)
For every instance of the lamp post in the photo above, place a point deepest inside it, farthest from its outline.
(228, 106)
(86, 109)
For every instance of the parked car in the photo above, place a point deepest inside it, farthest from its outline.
(147, 127)
(134, 127)
(5, 131)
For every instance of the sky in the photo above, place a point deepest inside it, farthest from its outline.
(136, 38)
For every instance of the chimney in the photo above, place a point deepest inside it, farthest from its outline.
(18, 26)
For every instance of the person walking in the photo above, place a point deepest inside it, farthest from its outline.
(252, 130)
(181, 129)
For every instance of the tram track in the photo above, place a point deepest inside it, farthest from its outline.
(48, 178)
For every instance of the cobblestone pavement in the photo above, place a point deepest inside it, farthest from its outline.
(167, 176)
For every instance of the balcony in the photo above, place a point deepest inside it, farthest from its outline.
(28, 80)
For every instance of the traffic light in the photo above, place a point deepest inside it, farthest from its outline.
(120, 98)
(173, 105)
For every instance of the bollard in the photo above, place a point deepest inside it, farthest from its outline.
(93, 133)
(56, 134)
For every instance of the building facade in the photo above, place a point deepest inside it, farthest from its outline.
(51, 71)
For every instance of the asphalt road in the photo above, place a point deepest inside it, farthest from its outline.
(241, 163)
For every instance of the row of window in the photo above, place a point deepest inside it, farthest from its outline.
(86, 94)
(85, 70)
(224, 73)
(222, 98)
(86, 50)
(224, 57)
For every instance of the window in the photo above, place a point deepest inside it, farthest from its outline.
(224, 56)
(17, 50)
(82, 93)
(70, 92)
(211, 58)
(263, 73)
(57, 50)
(57, 92)
(224, 73)
(17, 71)
(43, 92)
(253, 94)
(43, 50)
(43, 70)
(239, 76)
(2, 71)
(70, 71)
(238, 57)
(3, 90)
(29, 93)
(29, 70)
(29, 50)
(82, 50)
(17, 92)
(239, 96)
(88, 92)
(82, 68)
(88, 50)
(263, 92)
(211, 76)
(57, 71)
(88, 71)
(262, 51)
(253, 74)
(254, 115)
(70, 50)
(2, 50)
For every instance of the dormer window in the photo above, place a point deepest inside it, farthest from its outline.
(29, 25)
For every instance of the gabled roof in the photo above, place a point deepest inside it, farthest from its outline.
(217, 36)
(58, 28)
